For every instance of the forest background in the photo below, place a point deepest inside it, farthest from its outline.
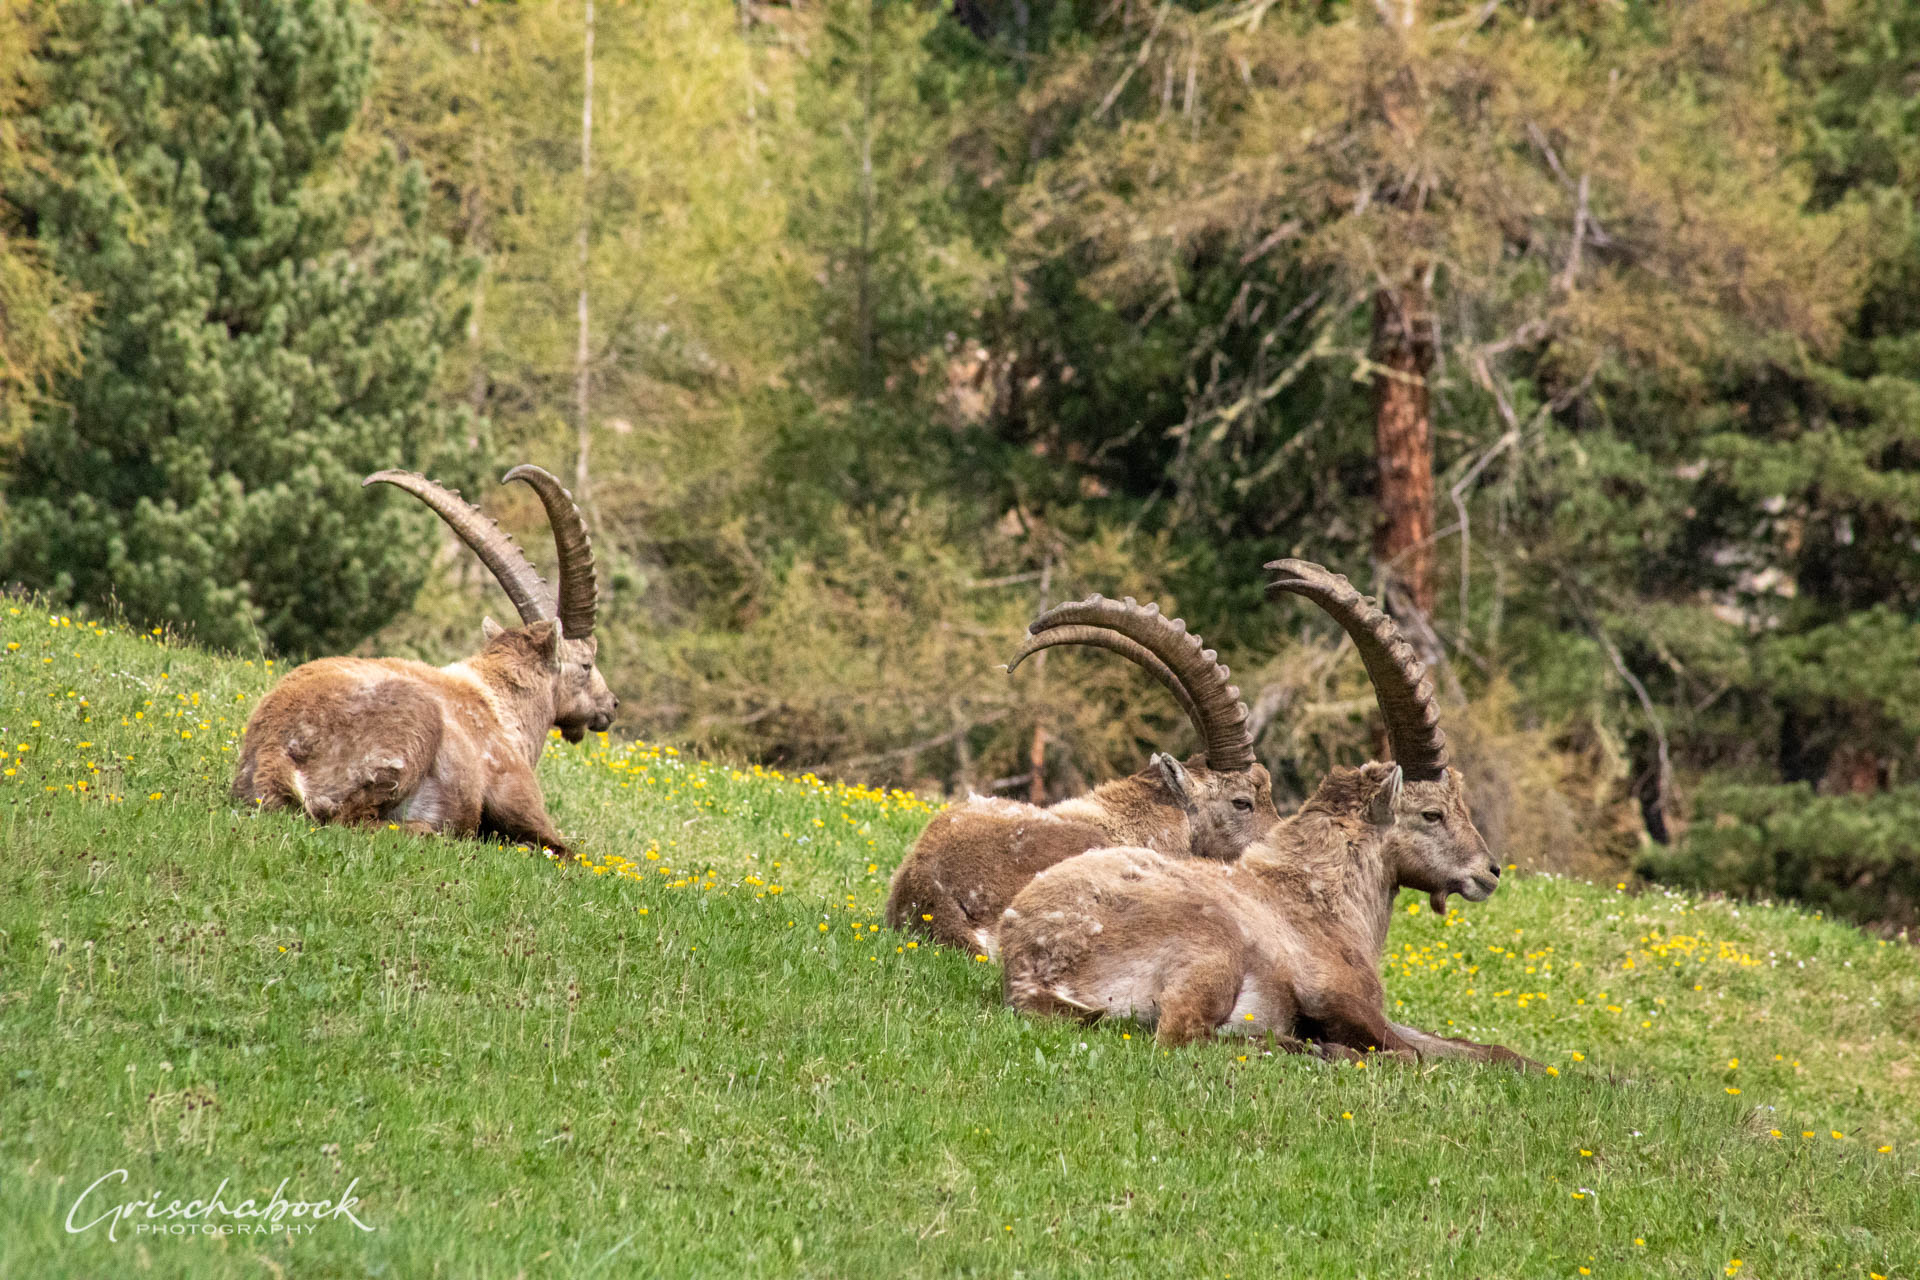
(1588, 334)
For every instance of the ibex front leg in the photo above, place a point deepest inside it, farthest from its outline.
(1354, 1021)
(513, 807)
(1429, 1045)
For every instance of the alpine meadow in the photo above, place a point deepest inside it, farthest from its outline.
(960, 638)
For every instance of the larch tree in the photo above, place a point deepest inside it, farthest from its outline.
(1555, 194)
(40, 314)
(696, 303)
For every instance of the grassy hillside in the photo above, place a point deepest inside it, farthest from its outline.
(699, 1052)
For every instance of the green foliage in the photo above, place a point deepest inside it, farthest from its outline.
(898, 313)
(876, 116)
(1852, 856)
(268, 326)
(1563, 183)
(39, 313)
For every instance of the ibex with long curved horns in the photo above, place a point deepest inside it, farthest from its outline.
(973, 857)
(444, 749)
(1288, 939)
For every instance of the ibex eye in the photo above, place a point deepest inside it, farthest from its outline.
(1433, 815)
(1243, 805)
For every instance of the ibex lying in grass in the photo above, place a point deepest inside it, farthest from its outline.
(972, 858)
(1288, 939)
(448, 749)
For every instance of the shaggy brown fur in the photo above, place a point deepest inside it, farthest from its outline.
(974, 857)
(1287, 940)
(435, 749)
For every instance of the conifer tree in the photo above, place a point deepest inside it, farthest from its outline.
(1488, 196)
(267, 328)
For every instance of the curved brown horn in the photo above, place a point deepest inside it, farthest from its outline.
(495, 549)
(1112, 642)
(1400, 680)
(1218, 715)
(579, 595)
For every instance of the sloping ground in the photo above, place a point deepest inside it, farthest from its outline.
(701, 1054)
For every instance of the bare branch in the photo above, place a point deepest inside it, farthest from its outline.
(1472, 21)
(984, 584)
(1140, 60)
(1565, 281)
(1285, 231)
(939, 740)
(1526, 335)
(1592, 229)
(1663, 768)
(1457, 492)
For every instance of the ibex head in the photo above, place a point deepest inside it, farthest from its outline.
(1227, 809)
(1227, 794)
(1432, 843)
(581, 699)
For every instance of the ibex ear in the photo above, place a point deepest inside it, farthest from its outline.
(490, 630)
(545, 635)
(1380, 809)
(1174, 774)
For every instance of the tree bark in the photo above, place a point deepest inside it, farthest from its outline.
(581, 384)
(863, 283)
(1037, 751)
(1403, 439)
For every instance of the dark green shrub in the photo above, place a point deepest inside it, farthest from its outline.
(1856, 856)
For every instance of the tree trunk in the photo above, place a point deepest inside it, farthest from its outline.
(1403, 439)
(476, 243)
(1037, 751)
(1853, 770)
(863, 283)
(581, 386)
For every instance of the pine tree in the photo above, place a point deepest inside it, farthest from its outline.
(269, 321)
(877, 197)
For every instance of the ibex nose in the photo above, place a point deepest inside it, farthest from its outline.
(1495, 868)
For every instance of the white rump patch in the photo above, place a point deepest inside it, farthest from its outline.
(1248, 1001)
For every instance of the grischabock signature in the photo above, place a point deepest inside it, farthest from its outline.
(206, 1215)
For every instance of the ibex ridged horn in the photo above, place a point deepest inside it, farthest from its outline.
(496, 550)
(1400, 680)
(1211, 701)
(1113, 642)
(579, 595)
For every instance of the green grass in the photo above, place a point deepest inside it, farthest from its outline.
(669, 1067)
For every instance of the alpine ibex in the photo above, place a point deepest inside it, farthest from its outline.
(444, 749)
(972, 858)
(1288, 939)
